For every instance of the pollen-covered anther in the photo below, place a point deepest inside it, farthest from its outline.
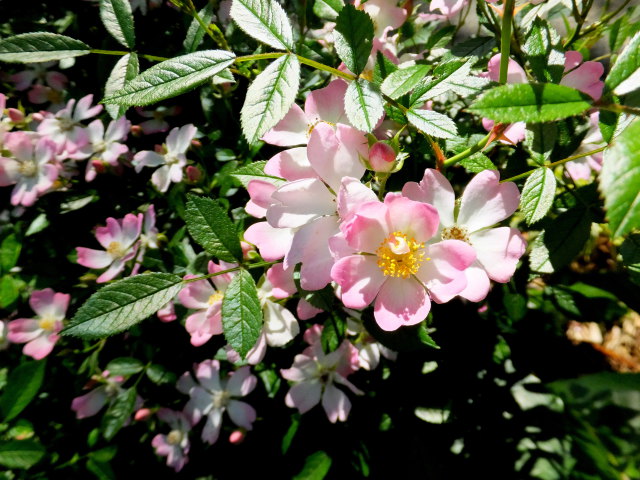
(215, 298)
(116, 250)
(400, 256)
(456, 232)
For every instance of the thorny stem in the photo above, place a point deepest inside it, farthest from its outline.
(469, 151)
(605, 18)
(505, 39)
(229, 270)
(554, 164)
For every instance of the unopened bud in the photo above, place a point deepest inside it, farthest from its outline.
(247, 250)
(142, 415)
(98, 165)
(382, 157)
(194, 174)
(136, 130)
(237, 437)
(15, 115)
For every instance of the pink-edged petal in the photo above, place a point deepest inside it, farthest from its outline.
(116, 267)
(23, 80)
(586, 78)
(147, 158)
(84, 109)
(355, 142)
(161, 178)
(272, 242)
(280, 326)
(9, 171)
(242, 382)
(118, 130)
(360, 279)
(260, 194)
(401, 302)
(211, 430)
(186, 383)
(369, 227)
(131, 228)
(304, 396)
(336, 404)
(90, 258)
(91, 403)
(515, 72)
(198, 405)
(242, 414)
(416, 219)
(435, 190)
(571, 60)
(23, 330)
(208, 374)
(281, 280)
(515, 132)
(291, 130)
(327, 104)
(351, 195)
(179, 139)
(486, 201)
(48, 303)
(291, 164)
(478, 283)
(41, 346)
(306, 311)
(499, 250)
(199, 326)
(297, 203)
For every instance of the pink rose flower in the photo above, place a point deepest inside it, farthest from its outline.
(174, 445)
(91, 403)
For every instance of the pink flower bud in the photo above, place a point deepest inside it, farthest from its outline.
(98, 165)
(247, 250)
(196, 143)
(382, 157)
(237, 437)
(194, 174)
(136, 130)
(15, 115)
(142, 415)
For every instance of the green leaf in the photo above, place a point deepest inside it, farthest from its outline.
(531, 102)
(474, 47)
(117, 18)
(171, 78)
(124, 366)
(432, 123)
(22, 386)
(196, 33)
(39, 223)
(40, 47)
(451, 76)
(619, 181)
(608, 123)
(477, 163)
(102, 470)
(270, 97)
(333, 333)
(327, 9)
(630, 251)
(540, 138)
(515, 306)
(124, 70)
(624, 76)
(160, 375)
(590, 291)
(9, 290)
(353, 38)
(561, 241)
(255, 171)
(241, 313)
(542, 46)
(291, 433)
(316, 467)
(403, 80)
(211, 227)
(537, 194)
(382, 68)
(123, 304)
(21, 453)
(9, 252)
(264, 20)
(118, 413)
(364, 104)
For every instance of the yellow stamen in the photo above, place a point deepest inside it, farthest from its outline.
(215, 298)
(47, 323)
(116, 250)
(400, 256)
(456, 232)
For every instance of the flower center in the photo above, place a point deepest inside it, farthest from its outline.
(47, 323)
(400, 256)
(215, 298)
(171, 159)
(457, 232)
(174, 437)
(220, 398)
(66, 124)
(28, 168)
(116, 250)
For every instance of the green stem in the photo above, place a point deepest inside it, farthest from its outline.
(505, 39)
(605, 18)
(469, 151)
(304, 60)
(121, 53)
(614, 107)
(229, 270)
(554, 164)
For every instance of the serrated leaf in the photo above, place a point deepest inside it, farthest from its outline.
(171, 78)
(117, 18)
(624, 76)
(432, 123)
(22, 386)
(196, 33)
(124, 70)
(403, 80)
(255, 171)
(364, 104)
(619, 181)
(9, 290)
(316, 466)
(264, 20)
(122, 304)
(21, 453)
(531, 102)
(353, 38)
(540, 138)
(561, 241)
(327, 9)
(449, 77)
(542, 46)
(333, 333)
(241, 313)
(118, 413)
(40, 47)
(382, 68)
(477, 163)
(474, 47)
(270, 97)
(9, 252)
(608, 123)
(211, 227)
(537, 194)
(124, 366)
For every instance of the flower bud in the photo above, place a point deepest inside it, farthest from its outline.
(194, 174)
(382, 157)
(237, 437)
(142, 414)
(136, 130)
